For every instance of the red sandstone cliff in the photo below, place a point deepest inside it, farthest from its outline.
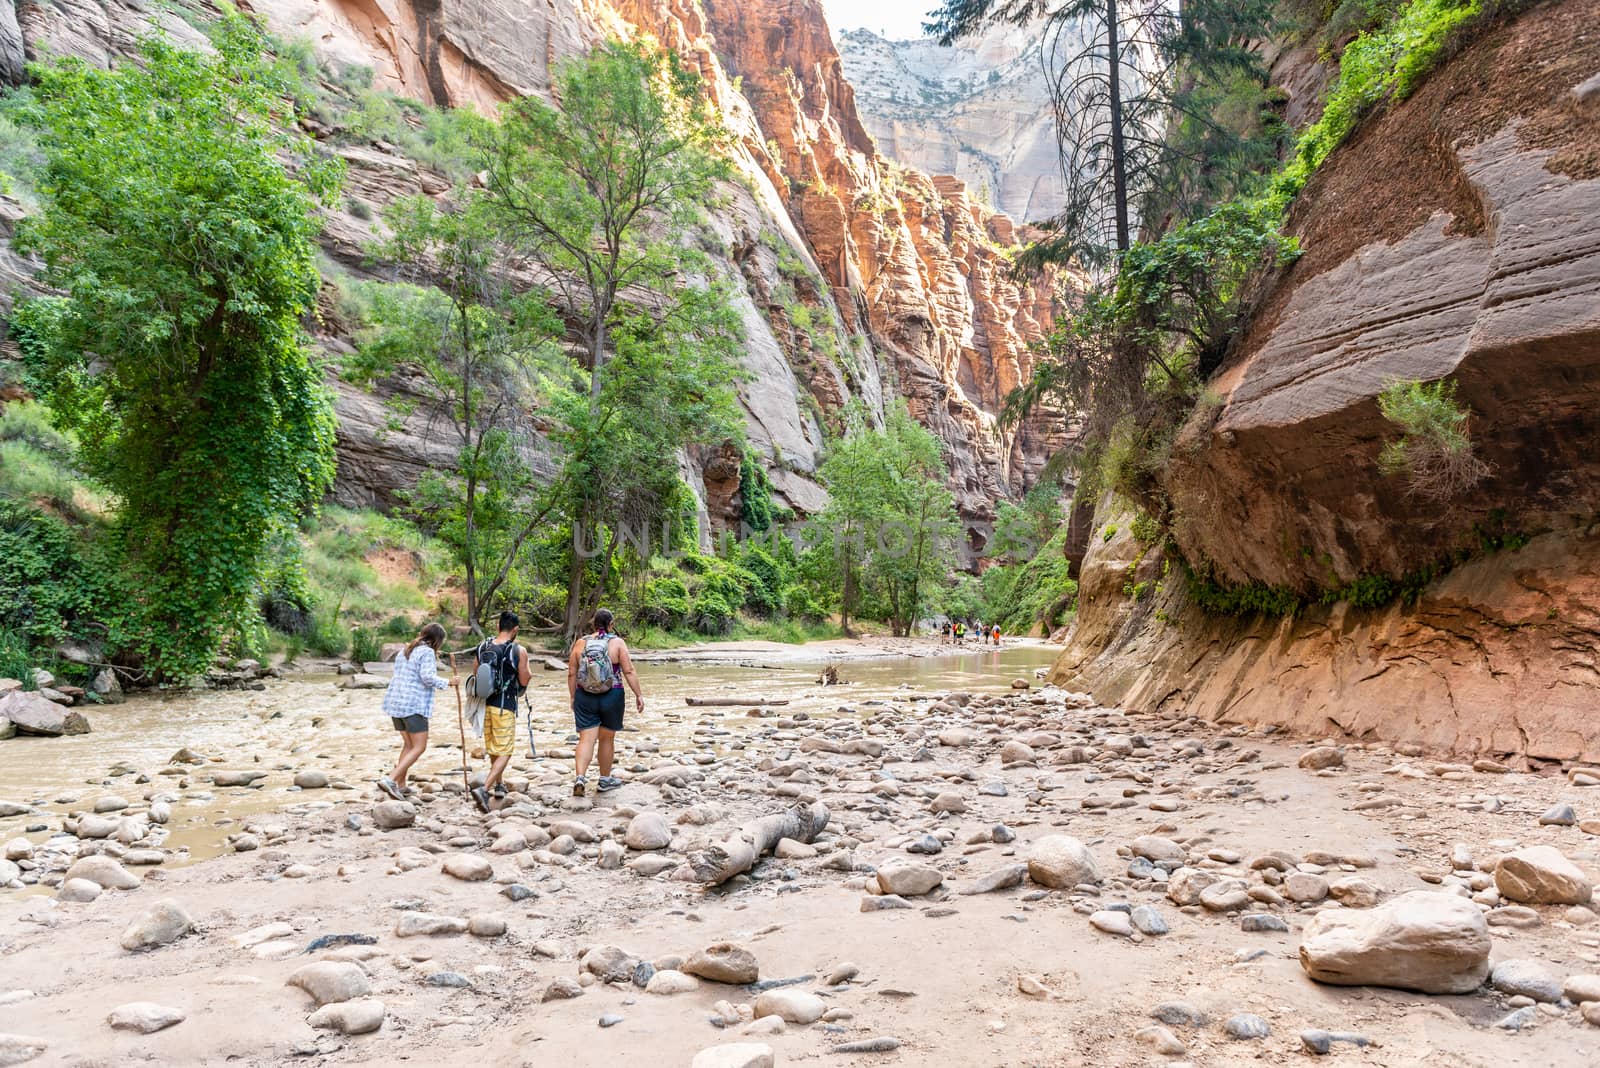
(1454, 235)
(903, 278)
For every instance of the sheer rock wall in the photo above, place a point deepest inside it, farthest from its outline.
(1454, 236)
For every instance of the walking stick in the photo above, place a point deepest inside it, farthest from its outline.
(461, 722)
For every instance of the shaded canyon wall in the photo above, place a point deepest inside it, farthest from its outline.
(1455, 235)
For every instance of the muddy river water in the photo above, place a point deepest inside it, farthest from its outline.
(309, 721)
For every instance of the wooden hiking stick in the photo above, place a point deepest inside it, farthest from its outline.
(461, 722)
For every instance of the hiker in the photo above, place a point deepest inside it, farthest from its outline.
(408, 702)
(996, 633)
(596, 668)
(944, 633)
(504, 672)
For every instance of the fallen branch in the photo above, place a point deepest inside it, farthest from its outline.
(730, 702)
(717, 864)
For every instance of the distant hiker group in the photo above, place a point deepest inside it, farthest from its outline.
(958, 630)
(598, 667)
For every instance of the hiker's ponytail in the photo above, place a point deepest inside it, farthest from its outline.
(432, 635)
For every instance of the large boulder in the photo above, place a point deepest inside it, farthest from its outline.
(162, 924)
(1061, 862)
(32, 713)
(724, 962)
(648, 830)
(1433, 942)
(1541, 875)
(329, 982)
(104, 872)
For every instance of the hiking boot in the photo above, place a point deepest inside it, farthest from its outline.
(480, 797)
(499, 791)
(390, 787)
(608, 782)
(580, 786)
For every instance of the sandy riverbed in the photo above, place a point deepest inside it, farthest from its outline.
(949, 977)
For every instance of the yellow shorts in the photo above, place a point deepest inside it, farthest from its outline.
(499, 731)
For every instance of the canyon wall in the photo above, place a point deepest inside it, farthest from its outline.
(902, 278)
(1453, 236)
(979, 109)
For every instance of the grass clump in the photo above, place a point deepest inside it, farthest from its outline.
(1434, 452)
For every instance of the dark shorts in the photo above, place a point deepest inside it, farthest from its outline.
(410, 724)
(591, 710)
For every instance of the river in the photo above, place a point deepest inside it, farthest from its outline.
(309, 721)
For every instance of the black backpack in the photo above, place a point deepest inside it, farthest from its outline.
(497, 671)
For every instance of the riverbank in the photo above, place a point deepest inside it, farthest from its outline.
(1002, 946)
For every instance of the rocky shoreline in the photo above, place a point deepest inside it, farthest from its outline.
(1019, 878)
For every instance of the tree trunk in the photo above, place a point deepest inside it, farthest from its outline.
(717, 864)
(474, 609)
(1119, 177)
(575, 580)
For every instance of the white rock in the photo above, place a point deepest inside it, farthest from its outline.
(648, 830)
(1112, 922)
(331, 981)
(78, 890)
(359, 1017)
(145, 1017)
(104, 872)
(1541, 875)
(468, 867)
(1060, 862)
(163, 923)
(735, 1055)
(669, 981)
(908, 880)
(790, 1005)
(1433, 942)
(15, 1049)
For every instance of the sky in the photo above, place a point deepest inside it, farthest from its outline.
(895, 19)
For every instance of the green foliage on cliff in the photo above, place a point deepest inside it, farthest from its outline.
(171, 218)
(1434, 452)
(1386, 61)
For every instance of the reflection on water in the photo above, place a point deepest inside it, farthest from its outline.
(309, 722)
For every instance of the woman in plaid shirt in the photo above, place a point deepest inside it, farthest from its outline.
(408, 702)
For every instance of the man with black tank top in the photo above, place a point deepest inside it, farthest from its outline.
(512, 672)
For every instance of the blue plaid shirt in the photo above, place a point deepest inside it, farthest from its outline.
(410, 691)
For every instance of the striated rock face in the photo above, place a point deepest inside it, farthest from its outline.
(855, 279)
(912, 261)
(1482, 265)
(979, 110)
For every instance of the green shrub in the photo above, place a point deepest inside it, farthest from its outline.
(15, 660)
(666, 602)
(325, 636)
(366, 645)
(711, 613)
(800, 605)
(46, 586)
(1434, 452)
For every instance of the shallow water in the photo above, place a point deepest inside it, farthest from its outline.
(308, 721)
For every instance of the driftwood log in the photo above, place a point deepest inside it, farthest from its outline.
(729, 702)
(718, 863)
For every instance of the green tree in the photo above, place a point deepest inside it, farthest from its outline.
(1161, 108)
(480, 348)
(890, 524)
(178, 212)
(592, 194)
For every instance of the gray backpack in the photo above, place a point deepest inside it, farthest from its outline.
(595, 673)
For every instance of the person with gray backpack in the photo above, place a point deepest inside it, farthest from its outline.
(596, 669)
(501, 676)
